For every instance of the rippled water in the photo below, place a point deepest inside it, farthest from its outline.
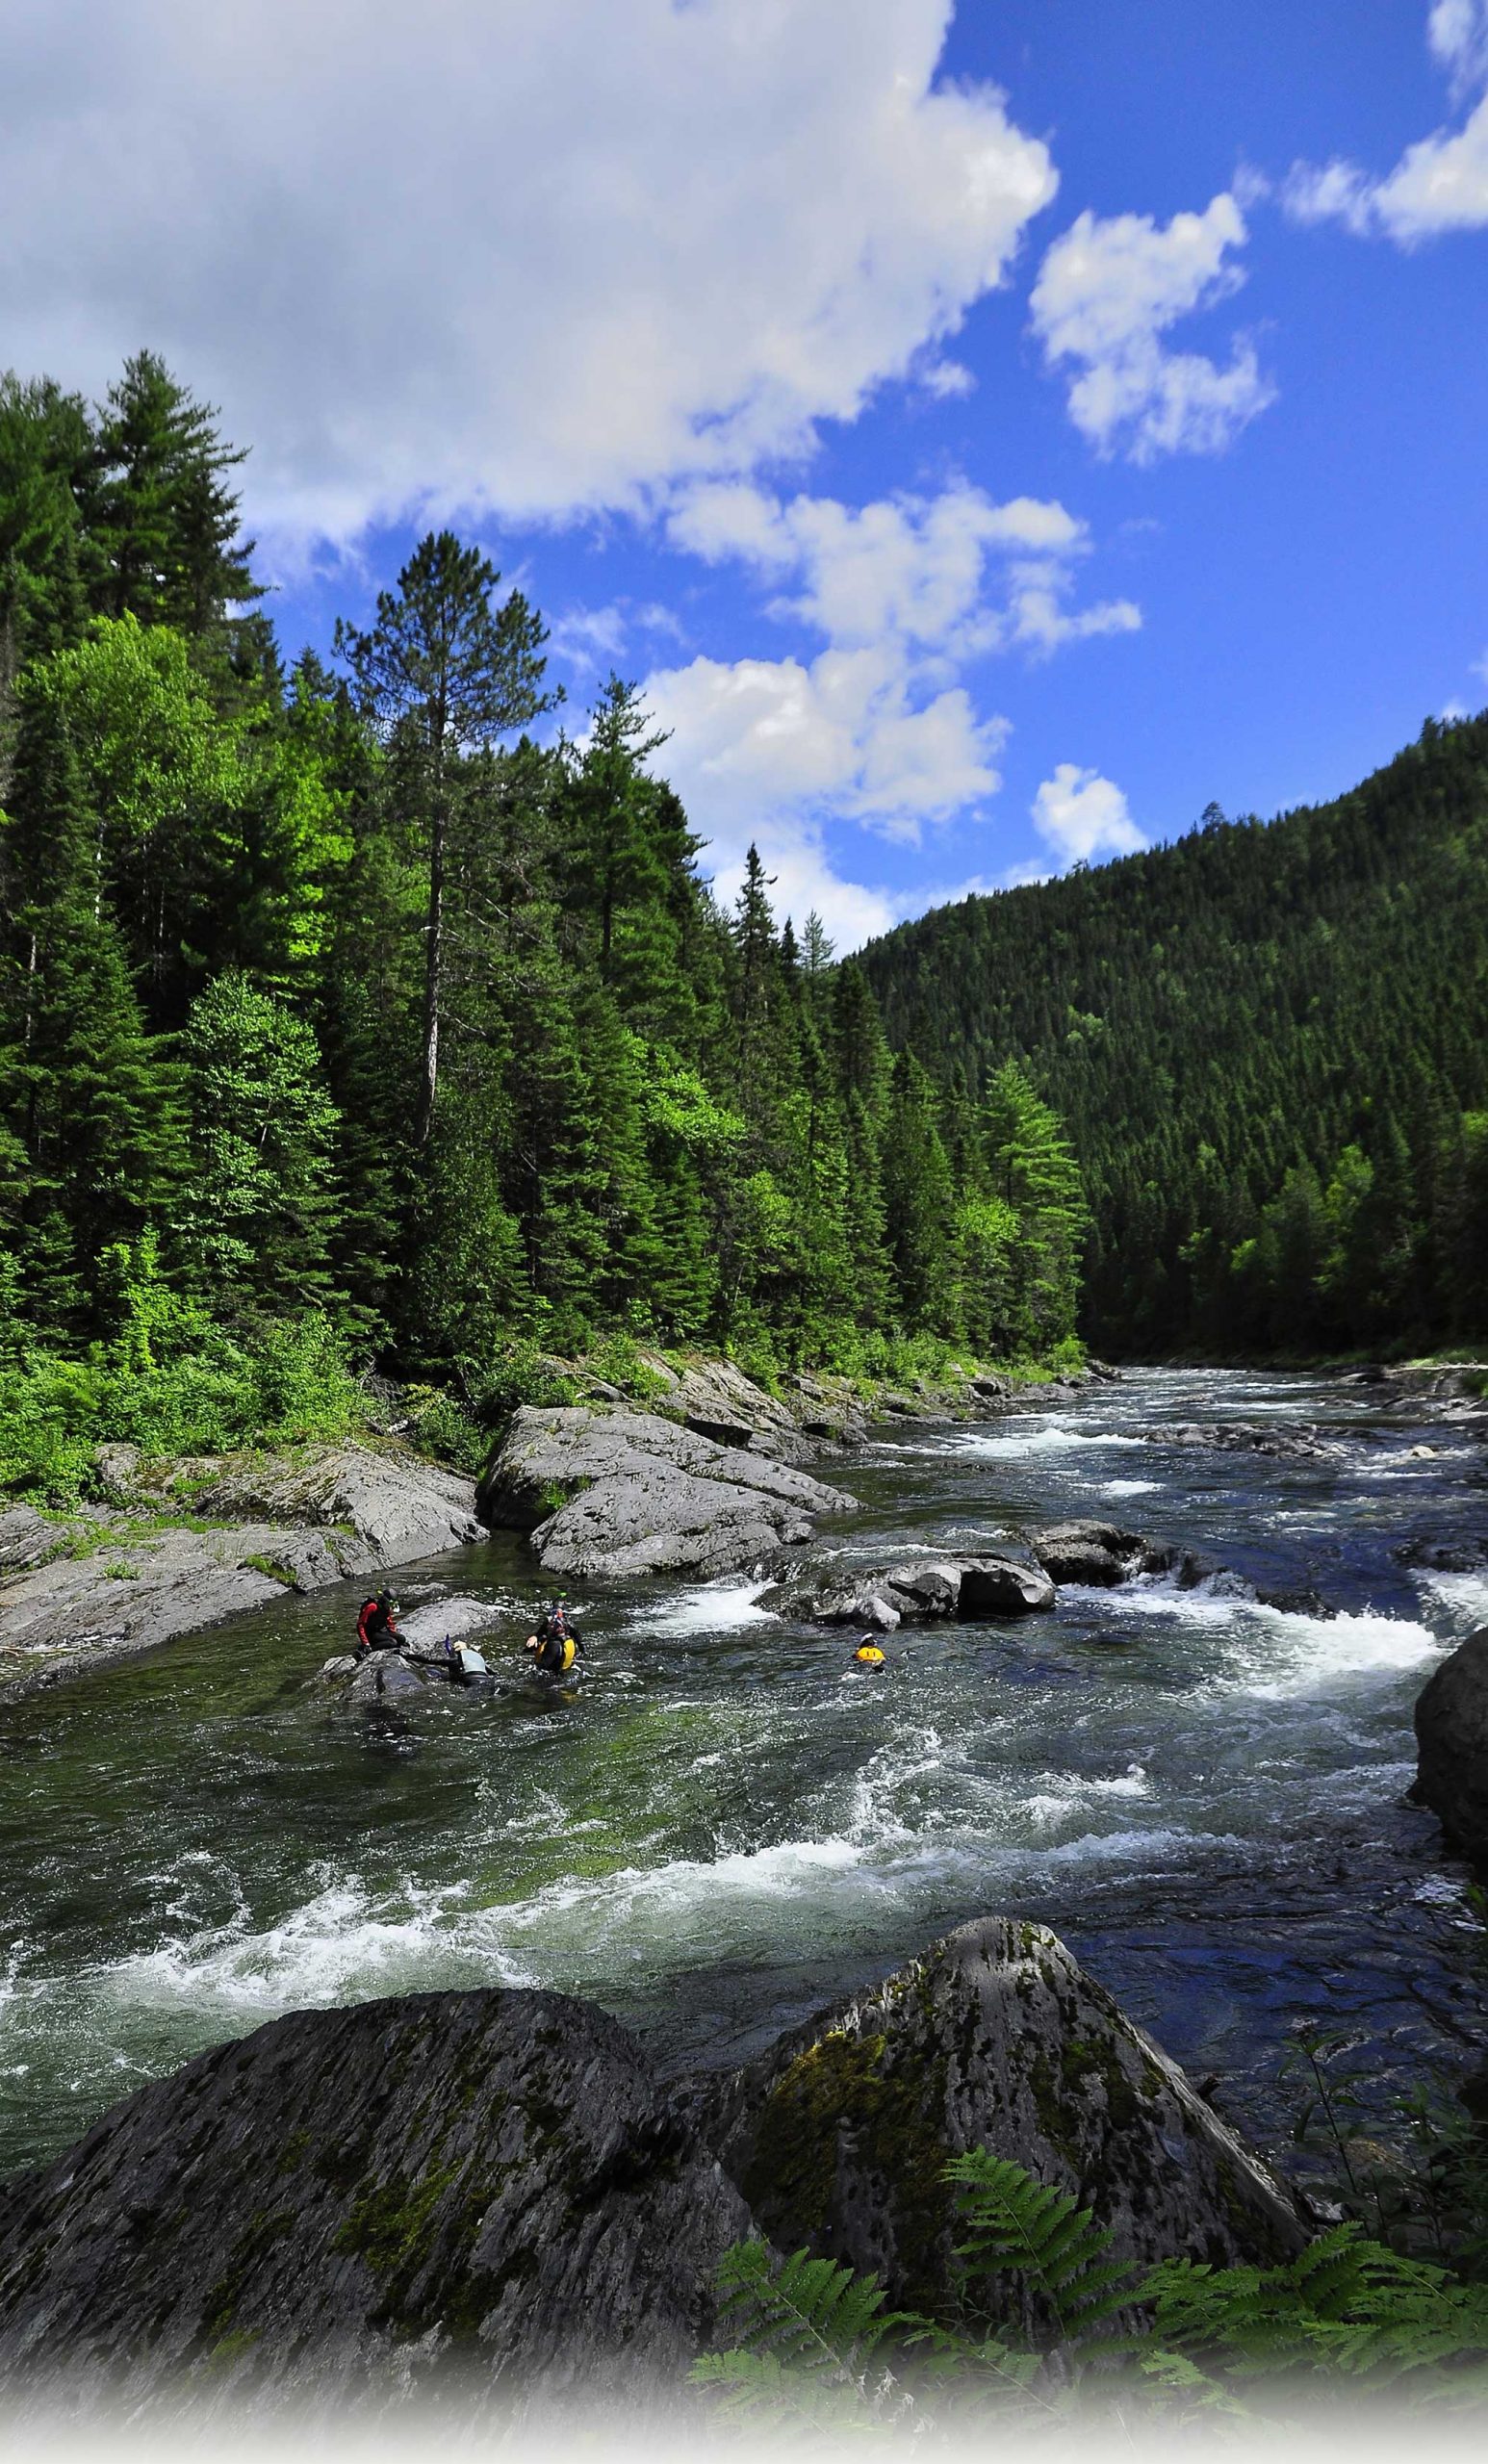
(728, 1823)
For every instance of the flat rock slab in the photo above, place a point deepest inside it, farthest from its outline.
(620, 1493)
(270, 1526)
(401, 1506)
(423, 1628)
(1451, 1735)
(838, 2135)
(484, 2190)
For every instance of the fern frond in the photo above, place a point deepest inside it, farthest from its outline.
(1024, 2226)
(1345, 2306)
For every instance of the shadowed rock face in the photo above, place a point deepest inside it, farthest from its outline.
(839, 2135)
(484, 2189)
(1451, 1734)
(619, 1492)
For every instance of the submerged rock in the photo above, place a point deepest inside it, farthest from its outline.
(612, 1494)
(382, 1678)
(1444, 1556)
(485, 2188)
(838, 2135)
(1451, 1735)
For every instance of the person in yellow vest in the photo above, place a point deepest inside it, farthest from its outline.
(869, 1655)
(555, 1646)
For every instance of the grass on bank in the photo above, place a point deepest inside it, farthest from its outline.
(174, 1383)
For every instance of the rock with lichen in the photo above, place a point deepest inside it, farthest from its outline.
(838, 2135)
(479, 2193)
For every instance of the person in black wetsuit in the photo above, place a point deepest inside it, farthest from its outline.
(555, 1645)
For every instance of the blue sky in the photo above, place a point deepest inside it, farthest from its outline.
(989, 433)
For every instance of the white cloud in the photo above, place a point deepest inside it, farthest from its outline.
(1439, 183)
(1457, 31)
(875, 730)
(1106, 293)
(531, 259)
(911, 569)
(1082, 815)
(842, 737)
(1479, 667)
(588, 638)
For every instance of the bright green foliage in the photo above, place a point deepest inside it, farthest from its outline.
(161, 770)
(1265, 1043)
(256, 1222)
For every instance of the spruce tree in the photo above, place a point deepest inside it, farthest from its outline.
(161, 513)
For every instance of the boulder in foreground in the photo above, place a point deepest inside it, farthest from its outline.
(479, 2188)
(1451, 1735)
(622, 1492)
(838, 2135)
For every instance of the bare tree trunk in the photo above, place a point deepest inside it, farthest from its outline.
(434, 973)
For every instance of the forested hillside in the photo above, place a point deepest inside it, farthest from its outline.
(344, 1019)
(1271, 1047)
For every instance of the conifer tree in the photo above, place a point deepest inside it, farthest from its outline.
(89, 1099)
(161, 514)
(447, 672)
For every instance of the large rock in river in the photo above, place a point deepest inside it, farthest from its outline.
(485, 2187)
(838, 2135)
(919, 1592)
(629, 1493)
(1451, 1735)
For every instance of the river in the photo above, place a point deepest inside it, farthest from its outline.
(728, 1823)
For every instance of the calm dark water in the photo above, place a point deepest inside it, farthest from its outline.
(727, 1824)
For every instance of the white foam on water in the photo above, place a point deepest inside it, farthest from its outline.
(711, 1608)
(1130, 1488)
(1014, 1444)
(1463, 1596)
(340, 1945)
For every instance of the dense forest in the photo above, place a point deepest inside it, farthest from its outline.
(362, 1014)
(1270, 1043)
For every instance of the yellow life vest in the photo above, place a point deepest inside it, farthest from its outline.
(869, 1654)
(567, 1660)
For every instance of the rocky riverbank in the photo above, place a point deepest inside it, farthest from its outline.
(706, 1476)
(491, 2196)
(180, 1545)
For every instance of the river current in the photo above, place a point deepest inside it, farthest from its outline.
(727, 1823)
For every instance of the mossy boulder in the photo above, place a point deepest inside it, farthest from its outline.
(838, 2135)
(483, 2191)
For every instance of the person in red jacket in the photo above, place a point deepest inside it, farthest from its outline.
(375, 1630)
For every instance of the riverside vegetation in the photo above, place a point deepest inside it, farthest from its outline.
(346, 1021)
(340, 1018)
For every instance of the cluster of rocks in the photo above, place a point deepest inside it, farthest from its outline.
(491, 2194)
(922, 1590)
(256, 1527)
